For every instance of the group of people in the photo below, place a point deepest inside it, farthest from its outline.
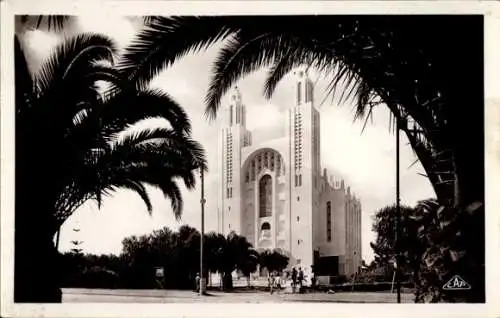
(296, 278)
(277, 281)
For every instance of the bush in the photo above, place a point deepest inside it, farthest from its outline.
(98, 277)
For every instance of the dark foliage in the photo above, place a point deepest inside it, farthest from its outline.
(273, 261)
(430, 77)
(437, 243)
(68, 150)
(176, 252)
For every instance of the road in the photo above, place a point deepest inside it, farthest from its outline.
(71, 295)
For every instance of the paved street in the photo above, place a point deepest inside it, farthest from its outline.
(181, 296)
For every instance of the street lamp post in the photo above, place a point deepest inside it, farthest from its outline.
(398, 216)
(57, 238)
(202, 202)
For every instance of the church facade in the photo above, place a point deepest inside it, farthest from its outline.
(274, 192)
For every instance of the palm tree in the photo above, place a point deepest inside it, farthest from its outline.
(236, 254)
(273, 260)
(248, 264)
(69, 149)
(47, 22)
(415, 72)
(213, 251)
(430, 77)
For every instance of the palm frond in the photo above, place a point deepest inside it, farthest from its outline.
(166, 39)
(99, 72)
(364, 97)
(246, 52)
(138, 188)
(173, 193)
(127, 108)
(137, 137)
(51, 22)
(149, 19)
(44, 22)
(23, 80)
(72, 57)
(154, 156)
(162, 147)
(296, 57)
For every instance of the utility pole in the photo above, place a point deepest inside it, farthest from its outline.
(398, 213)
(202, 202)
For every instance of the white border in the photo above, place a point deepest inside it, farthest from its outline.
(492, 148)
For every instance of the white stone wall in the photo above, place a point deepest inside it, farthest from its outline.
(298, 221)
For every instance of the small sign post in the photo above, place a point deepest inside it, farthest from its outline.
(159, 272)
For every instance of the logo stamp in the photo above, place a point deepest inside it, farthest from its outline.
(457, 283)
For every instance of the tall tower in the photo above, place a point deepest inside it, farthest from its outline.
(304, 170)
(234, 137)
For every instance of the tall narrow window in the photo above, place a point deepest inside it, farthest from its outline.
(328, 221)
(299, 91)
(231, 115)
(307, 92)
(265, 196)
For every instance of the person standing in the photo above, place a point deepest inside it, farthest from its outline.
(313, 281)
(294, 279)
(271, 282)
(197, 282)
(277, 282)
(300, 279)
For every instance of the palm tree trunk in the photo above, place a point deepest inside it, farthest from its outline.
(36, 259)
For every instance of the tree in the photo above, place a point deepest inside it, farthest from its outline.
(80, 155)
(213, 251)
(37, 101)
(449, 241)
(418, 73)
(385, 60)
(435, 241)
(385, 246)
(274, 261)
(249, 264)
(237, 253)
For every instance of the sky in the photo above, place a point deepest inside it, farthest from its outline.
(366, 160)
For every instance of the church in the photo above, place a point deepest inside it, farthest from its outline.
(273, 191)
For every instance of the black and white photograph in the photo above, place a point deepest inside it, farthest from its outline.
(306, 158)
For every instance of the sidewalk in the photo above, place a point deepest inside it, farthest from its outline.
(183, 296)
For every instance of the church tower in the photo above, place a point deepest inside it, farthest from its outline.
(234, 137)
(303, 130)
(272, 191)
